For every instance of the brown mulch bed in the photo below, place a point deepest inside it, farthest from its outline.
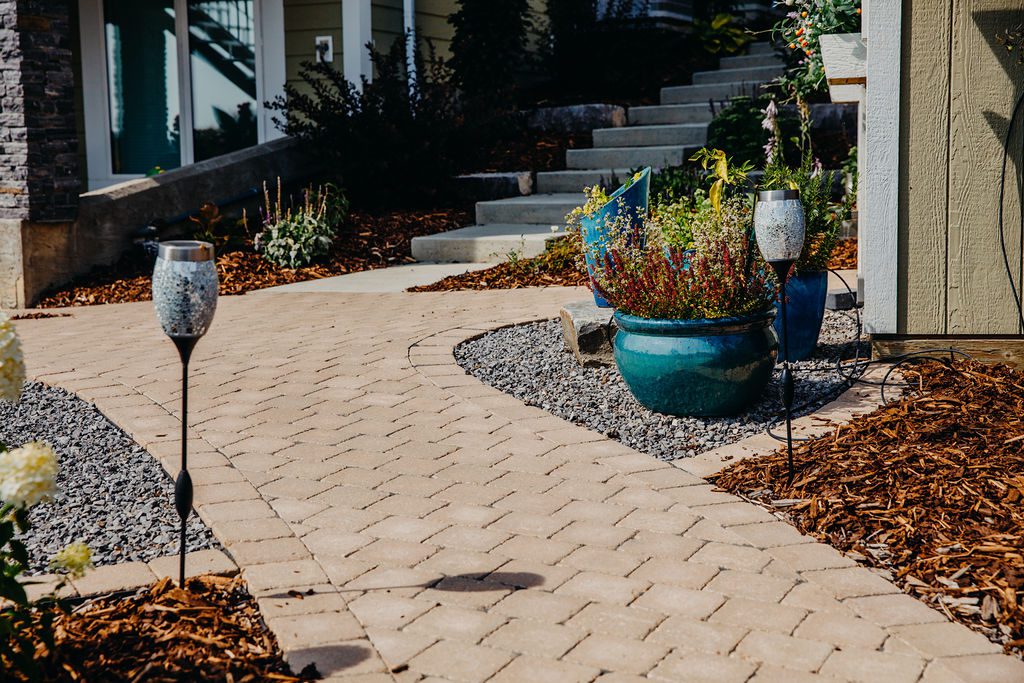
(930, 488)
(368, 240)
(534, 151)
(555, 268)
(844, 256)
(210, 632)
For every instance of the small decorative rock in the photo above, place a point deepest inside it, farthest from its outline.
(588, 331)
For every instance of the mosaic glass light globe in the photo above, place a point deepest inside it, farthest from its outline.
(185, 288)
(780, 225)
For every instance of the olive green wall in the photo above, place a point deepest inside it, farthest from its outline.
(958, 89)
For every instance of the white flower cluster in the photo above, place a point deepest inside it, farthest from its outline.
(28, 475)
(73, 559)
(12, 365)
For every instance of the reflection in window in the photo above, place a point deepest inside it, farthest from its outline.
(222, 54)
(142, 69)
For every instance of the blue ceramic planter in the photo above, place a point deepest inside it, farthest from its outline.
(703, 368)
(632, 201)
(805, 311)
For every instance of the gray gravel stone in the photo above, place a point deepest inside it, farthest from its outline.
(113, 495)
(532, 363)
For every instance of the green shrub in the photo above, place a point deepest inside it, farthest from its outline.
(489, 47)
(294, 237)
(738, 128)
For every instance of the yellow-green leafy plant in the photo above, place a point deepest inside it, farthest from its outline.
(724, 172)
(295, 236)
(28, 477)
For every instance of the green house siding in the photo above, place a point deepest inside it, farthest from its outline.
(304, 20)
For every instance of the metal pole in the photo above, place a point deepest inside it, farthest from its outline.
(787, 384)
(183, 485)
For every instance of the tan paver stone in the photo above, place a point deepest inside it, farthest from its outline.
(397, 580)
(868, 666)
(460, 661)
(751, 585)
(296, 511)
(735, 513)
(710, 530)
(615, 620)
(810, 556)
(776, 674)
(596, 587)
(660, 522)
(530, 524)
(326, 542)
(988, 668)
(675, 572)
(465, 563)
(467, 515)
(344, 519)
(730, 556)
(249, 553)
(584, 490)
(410, 529)
(316, 600)
(456, 623)
(643, 498)
(694, 604)
(689, 635)
(852, 582)
(697, 494)
(396, 648)
(594, 534)
(382, 610)
(538, 670)
(842, 630)
(945, 639)
(469, 538)
(225, 493)
(784, 651)
(305, 630)
(114, 577)
(813, 598)
(284, 575)
(209, 561)
(616, 654)
(592, 511)
(766, 615)
(602, 560)
(698, 668)
(533, 638)
(894, 610)
(466, 592)
(652, 544)
(350, 658)
(528, 574)
(540, 605)
(390, 553)
(348, 496)
(470, 494)
(251, 530)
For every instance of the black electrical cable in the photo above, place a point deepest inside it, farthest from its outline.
(1002, 228)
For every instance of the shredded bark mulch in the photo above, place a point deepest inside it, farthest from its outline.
(534, 151)
(555, 268)
(930, 488)
(368, 240)
(210, 632)
(844, 256)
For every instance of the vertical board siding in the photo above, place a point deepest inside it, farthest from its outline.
(958, 95)
(985, 83)
(925, 160)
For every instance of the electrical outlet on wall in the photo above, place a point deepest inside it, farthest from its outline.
(324, 49)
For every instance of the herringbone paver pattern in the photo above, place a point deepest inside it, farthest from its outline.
(401, 521)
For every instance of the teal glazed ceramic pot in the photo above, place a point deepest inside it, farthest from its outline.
(632, 200)
(805, 311)
(699, 368)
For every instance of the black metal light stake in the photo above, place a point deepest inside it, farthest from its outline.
(185, 295)
(787, 390)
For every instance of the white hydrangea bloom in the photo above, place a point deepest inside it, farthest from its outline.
(73, 559)
(12, 364)
(28, 475)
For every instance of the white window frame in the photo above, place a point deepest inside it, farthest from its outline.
(270, 79)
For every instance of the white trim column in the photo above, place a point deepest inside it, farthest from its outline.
(879, 212)
(356, 32)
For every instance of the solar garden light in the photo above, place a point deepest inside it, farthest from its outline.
(779, 225)
(185, 296)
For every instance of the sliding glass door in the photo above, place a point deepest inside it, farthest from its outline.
(180, 80)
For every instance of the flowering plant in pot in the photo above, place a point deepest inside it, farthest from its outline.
(695, 324)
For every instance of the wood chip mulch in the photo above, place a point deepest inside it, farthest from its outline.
(556, 268)
(844, 256)
(368, 240)
(929, 488)
(210, 632)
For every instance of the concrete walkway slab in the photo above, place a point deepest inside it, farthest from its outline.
(381, 280)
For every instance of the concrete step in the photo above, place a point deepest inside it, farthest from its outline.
(652, 136)
(537, 209)
(747, 61)
(576, 180)
(628, 157)
(484, 243)
(699, 112)
(719, 92)
(745, 74)
(761, 48)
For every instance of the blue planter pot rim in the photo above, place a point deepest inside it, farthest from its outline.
(700, 327)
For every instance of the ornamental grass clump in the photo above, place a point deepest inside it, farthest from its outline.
(644, 276)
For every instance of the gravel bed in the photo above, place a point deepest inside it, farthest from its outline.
(113, 495)
(532, 363)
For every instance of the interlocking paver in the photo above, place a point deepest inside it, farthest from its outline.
(432, 522)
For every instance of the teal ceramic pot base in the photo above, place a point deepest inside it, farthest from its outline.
(696, 368)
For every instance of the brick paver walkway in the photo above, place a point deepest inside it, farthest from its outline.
(401, 521)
